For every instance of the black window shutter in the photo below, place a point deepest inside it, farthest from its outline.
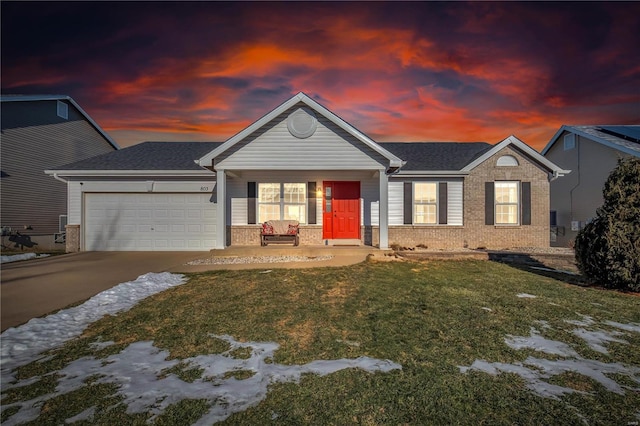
(526, 203)
(442, 203)
(489, 200)
(311, 203)
(251, 202)
(408, 203)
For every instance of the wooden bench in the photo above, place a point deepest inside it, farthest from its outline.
(280, 231)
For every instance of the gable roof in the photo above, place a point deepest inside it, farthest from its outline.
(27, 98)
(394, 161)
(621, 138)
(524, 148)
(147, 156)
(436, 156)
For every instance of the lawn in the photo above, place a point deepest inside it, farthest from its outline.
(440, 342)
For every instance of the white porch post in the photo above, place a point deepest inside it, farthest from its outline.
(384, 210)
(221, 208)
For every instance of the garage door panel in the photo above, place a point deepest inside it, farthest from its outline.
(149, 221)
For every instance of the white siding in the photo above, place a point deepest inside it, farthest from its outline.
(396, 203)
(273, 147)
(371, 197)
(239, 211)
(75, 203)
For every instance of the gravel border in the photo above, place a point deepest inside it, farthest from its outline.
(237, 260)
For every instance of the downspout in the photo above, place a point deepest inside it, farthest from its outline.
(577, 184)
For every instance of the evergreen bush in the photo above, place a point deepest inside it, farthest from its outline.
(608, 248)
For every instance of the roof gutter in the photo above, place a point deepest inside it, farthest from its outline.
(109, 173)
(428, 173)
(56, 177)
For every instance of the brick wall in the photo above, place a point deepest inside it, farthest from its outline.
(249, 235)
(72, 238)
(474, 233)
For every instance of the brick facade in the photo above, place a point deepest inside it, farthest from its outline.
(474, 233)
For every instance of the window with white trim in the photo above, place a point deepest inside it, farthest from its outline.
(425, 203)
(507, 203)
(282, 201)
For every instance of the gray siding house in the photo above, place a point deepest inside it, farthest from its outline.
(302, 162)
(38, 133)
(591, 152)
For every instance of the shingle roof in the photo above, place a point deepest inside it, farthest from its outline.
(436, 155)
(611, 136)
(181, 156)
(621, 137)
(148, 156)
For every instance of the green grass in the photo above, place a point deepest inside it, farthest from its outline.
(426, 316)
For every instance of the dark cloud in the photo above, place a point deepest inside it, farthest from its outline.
(397, 70)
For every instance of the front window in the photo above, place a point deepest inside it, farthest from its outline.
(507, 208)
(425, 206)
(282, 201)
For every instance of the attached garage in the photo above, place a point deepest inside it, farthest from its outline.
(149, 222)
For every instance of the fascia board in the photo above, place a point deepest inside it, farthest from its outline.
(130, 173)
(512, 140)
(94, 124)
(603, 141)
(555, 138)
(297, 169)
(431, 173)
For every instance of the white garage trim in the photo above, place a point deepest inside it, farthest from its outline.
(149, 222)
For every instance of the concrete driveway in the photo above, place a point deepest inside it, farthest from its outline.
(34, 288)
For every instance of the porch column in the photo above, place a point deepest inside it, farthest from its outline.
(384, 210)
(221, 208)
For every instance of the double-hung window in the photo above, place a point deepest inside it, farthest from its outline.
(282, 201)
(507, 203)
(425, 203)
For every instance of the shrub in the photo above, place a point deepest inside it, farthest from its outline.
(608, 248)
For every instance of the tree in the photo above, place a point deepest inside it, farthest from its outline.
(608, 248)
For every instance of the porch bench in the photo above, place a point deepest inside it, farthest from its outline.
(280, 231)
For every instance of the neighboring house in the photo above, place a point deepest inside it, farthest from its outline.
(38, 133)
(591, 152)
(303, 162)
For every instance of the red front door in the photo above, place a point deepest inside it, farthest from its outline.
(341, 210)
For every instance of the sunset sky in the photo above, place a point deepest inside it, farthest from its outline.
(415, 71)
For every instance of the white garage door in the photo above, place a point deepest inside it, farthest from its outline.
(149, 222)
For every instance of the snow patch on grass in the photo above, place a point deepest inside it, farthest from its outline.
(526, 296)
(22, 345)
(138, 373)
(537, 371)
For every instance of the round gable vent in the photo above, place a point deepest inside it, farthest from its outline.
(302, 123)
